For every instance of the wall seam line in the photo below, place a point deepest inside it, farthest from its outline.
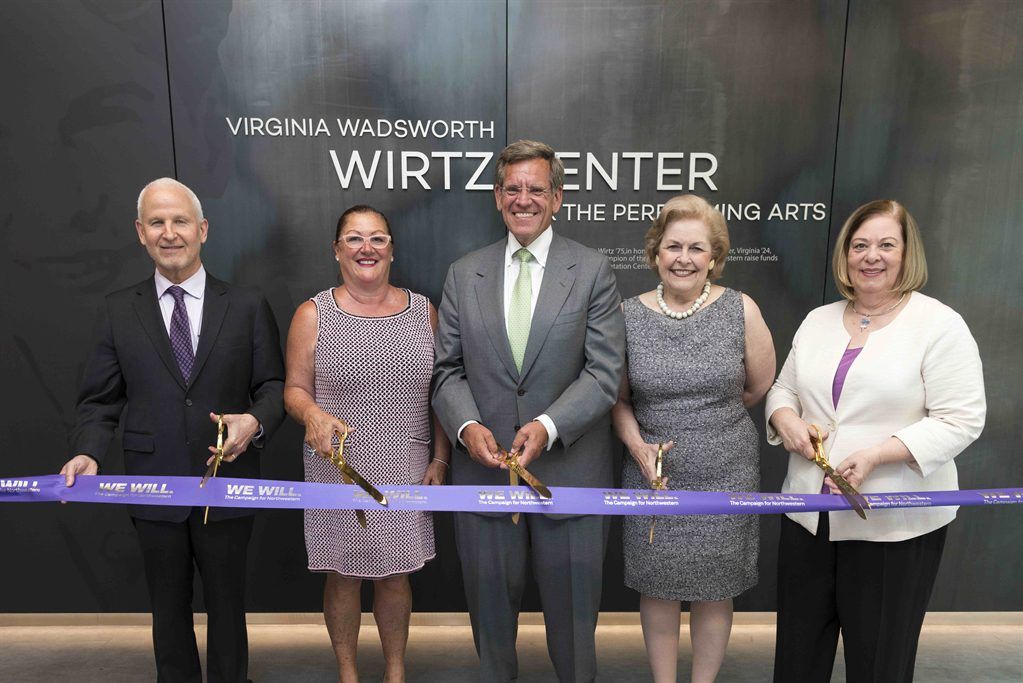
(834, 162)
(170, 102)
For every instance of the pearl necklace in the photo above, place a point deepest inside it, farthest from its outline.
(678, 315)
(865, 318)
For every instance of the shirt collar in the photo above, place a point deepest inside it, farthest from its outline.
(195, 285)
(539, 247)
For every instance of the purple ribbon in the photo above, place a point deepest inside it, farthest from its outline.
(266, 493)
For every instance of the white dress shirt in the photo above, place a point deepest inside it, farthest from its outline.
(195, 290)
(539, 248)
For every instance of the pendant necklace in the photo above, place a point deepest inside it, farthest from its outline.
(865, 318)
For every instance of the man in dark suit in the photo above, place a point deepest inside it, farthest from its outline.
(174, 351)
(530, 349)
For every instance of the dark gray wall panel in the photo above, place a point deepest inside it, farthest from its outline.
(277, 199)
(932, 115)
(756, 84)
(83, 126)
(273, 202)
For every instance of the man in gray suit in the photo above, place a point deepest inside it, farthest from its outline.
(530, 349)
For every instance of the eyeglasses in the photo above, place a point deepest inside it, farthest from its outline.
(354, 241)
(513, 191)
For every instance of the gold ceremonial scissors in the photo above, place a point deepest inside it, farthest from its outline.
(657, 484)
(515, 471)
(218, 458)
(350, 476)
(856, 500)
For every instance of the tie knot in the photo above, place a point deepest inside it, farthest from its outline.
(177, 293)
(524, 255)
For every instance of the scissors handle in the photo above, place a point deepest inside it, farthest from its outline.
(218, 457)
(849, 492)
(512, 461)
(658, 482)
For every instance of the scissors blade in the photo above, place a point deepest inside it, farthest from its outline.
(363, 484)
(209, 473)
(513, 479)
(855, 499)
(360, 515)
(533, 482)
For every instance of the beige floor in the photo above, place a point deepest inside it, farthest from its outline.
(300, 652)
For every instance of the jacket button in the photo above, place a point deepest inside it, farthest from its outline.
(522, 392)
(517, 428)
(188, 402)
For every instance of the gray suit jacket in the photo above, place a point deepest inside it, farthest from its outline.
(571, 369)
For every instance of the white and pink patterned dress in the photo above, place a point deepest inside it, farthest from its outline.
(374, 373)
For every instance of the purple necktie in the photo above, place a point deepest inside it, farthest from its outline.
(181, 332)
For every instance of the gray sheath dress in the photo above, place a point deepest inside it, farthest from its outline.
(687, 378)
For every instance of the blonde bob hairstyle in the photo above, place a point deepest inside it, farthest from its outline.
(913, 275)
(686, 207)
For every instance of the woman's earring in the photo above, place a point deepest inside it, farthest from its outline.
(710, 266)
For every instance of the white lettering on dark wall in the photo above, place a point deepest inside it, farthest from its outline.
(417, 170)
(289, 126)
(412, 166)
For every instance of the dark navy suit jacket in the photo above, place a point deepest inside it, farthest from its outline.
(133, 378)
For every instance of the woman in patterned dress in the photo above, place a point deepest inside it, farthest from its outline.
(360, 358)
(698, 355)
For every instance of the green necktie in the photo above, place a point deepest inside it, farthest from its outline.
(519, 312)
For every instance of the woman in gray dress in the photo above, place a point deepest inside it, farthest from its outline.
(698, 356)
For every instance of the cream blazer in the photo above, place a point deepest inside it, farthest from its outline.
(918, 379)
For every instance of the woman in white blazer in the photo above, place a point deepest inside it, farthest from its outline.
(894, 378)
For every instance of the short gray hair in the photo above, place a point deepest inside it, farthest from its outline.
(171, 182)
(524, 150)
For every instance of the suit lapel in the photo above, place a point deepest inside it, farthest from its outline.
(214, 309)
(558, 277)
(148, 310)
(490, 298)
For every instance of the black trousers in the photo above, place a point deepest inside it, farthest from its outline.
(170, 553)
(875, 593)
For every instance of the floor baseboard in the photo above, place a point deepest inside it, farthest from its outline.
(462, 619)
